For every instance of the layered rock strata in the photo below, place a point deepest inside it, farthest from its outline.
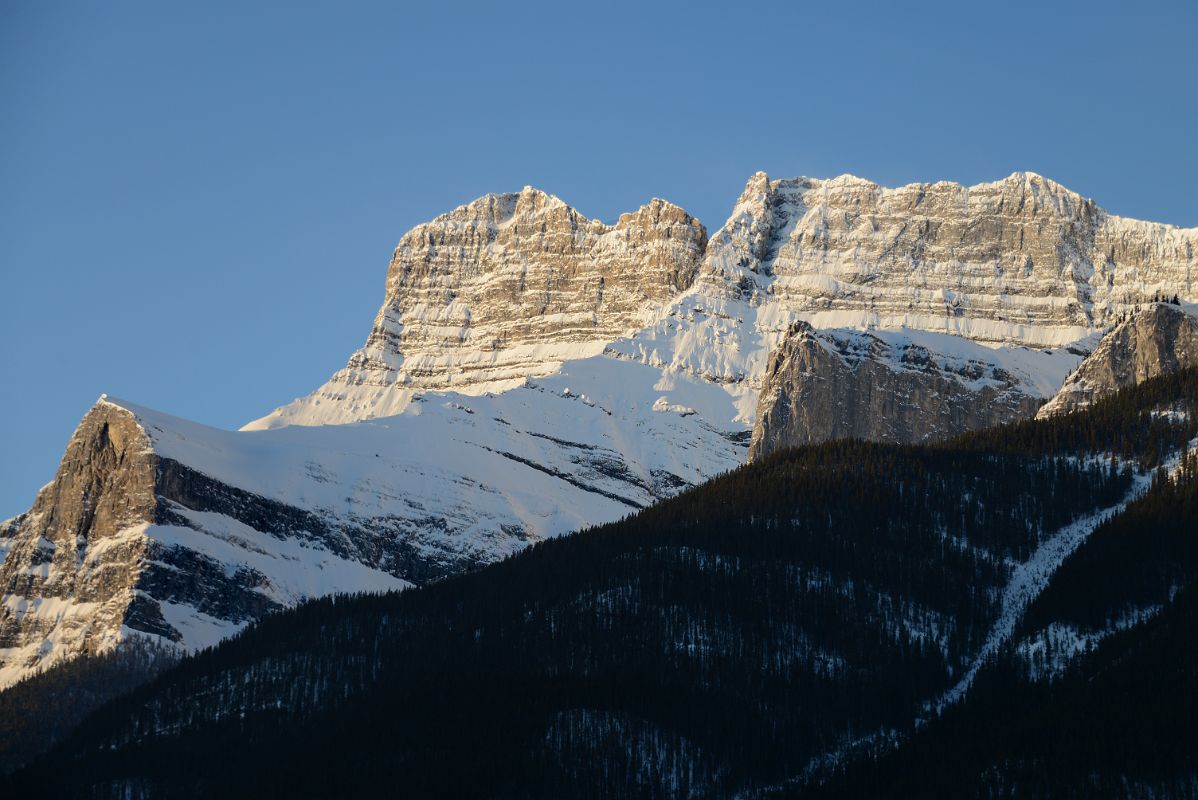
(506, 288)
(1020, 262)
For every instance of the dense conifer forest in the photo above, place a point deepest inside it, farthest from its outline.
(718, 643)
(41, 709)
(1117, 721)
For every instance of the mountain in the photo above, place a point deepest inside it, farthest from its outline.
(130, 540)
(532, 371)
(908, 386)
(1022, 261)
(1017, 262)
(736, 640)
(503, 289)
(135, 536)
(1162, 338)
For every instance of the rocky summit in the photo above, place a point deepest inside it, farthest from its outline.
(532, 371)
(506, 288)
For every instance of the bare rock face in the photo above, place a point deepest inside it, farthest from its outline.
(822, 385)
(1022, 259)
(1159, 340)
(507, 288)
(69, 573)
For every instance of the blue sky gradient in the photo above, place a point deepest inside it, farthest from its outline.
(198, 201)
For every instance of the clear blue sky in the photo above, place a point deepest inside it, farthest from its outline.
(198, 200)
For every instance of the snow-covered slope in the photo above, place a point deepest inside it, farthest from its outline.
(487, 472)
(185, 533)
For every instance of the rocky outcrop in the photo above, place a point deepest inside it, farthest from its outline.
(822, 385)
(1018, 260)
(1162, 338)
(503, 289)
(69, 574)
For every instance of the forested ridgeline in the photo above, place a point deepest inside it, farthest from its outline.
(1116, 720)
(712, 643)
